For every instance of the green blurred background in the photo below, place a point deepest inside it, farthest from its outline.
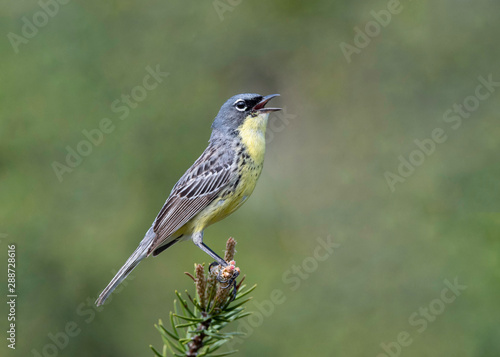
(346, 125)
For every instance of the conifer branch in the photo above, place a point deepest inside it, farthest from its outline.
(196, 323)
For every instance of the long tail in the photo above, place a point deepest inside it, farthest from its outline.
(139, 254)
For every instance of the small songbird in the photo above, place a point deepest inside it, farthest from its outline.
(217, 184)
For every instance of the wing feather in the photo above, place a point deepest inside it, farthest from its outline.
(191, 194)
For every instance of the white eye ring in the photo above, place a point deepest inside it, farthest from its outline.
(238, 104)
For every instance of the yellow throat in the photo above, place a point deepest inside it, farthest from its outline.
(253, 136)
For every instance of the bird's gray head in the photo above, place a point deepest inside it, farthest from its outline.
(239, 108)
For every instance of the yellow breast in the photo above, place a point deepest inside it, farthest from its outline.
(229, 202)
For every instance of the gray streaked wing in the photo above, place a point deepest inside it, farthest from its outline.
(191, 194)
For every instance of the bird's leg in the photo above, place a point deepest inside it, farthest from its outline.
(218, 260)
(198, 240)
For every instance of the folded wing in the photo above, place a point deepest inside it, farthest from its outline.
(194, 191)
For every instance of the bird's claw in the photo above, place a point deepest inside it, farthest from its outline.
(214, 264)
(226, 275)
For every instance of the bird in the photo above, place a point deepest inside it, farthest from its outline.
(216, 185)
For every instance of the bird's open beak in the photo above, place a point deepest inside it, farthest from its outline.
(260, 105)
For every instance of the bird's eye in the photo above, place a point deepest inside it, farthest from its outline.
(240, 105)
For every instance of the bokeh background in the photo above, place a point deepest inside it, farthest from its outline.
(348, 120)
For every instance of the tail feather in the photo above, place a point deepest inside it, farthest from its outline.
(139, 254)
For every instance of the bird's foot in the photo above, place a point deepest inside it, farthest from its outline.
(226, 275)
